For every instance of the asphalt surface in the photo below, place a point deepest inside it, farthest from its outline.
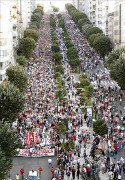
(33, 164)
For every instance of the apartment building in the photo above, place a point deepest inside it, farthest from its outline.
(6, 38)
(15, 17)
(116, 22)
(96, 11)
(119, 22)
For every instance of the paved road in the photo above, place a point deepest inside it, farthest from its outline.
(33, 164)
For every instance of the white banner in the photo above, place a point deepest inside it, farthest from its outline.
(36, 153)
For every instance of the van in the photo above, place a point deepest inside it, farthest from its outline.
(33, 175)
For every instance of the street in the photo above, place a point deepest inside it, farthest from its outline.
(33, 164)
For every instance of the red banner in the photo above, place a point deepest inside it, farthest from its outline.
(28, 138)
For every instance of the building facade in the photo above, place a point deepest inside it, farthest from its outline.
(108, 15)
(15, 17)
(6, 37)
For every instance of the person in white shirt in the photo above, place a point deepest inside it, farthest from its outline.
(119, 177)
(50, 161)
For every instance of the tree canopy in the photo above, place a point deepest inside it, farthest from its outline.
(31, 33)
(118, 71)
(115, 54)
(60, 69)
(103, 45)
(55, 47)
(18, 76)
(21, 60)
(81, 22)
(11, 102)
(92, 38)
(86, 27)
(57, 57)
(9, 142)
(28, 44)
(100, 127)
(92, 30)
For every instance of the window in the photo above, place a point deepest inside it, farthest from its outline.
(3, 53)
(1, 65)
(0, 77)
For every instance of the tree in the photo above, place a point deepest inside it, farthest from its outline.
(81, 22)
(92, 38)
(74, 62)
(78, 15)
(84, 82)
(86, 27)
(55, 48)
(36, 17)
(100, 127)
(55, 9)
(57, 74)
(89, 91)
(54, 38)
(28, 44)
(35, 23)
(118, 71)
(21, 60)
(72, 53)
(60, 69)
(52, 21)
(61, 129)
(33, 26)
(69, 145)
(103, 45)
(9, 142)
(115, 54)
(82, 77)
(18, 76)
(57, 57)
(69, 44)
(92, 30)
(39, 10)
(11, 102)
(31, 33)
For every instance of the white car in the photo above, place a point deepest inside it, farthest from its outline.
(33, 175)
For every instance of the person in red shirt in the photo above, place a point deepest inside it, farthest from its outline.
(74, 137)
(40, 170)
(52, 171)
(22, 173)
(115, 146)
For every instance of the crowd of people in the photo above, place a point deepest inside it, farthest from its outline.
(38, 116)
(40, 113)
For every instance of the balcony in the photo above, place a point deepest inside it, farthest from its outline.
(14, 7)
(14, 26)
(14, 17)
(99, 9)
(14, 34)
(99, 16)
(99, 22)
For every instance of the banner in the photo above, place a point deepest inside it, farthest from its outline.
(28, 138)
(35, 137)
(36, 153)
